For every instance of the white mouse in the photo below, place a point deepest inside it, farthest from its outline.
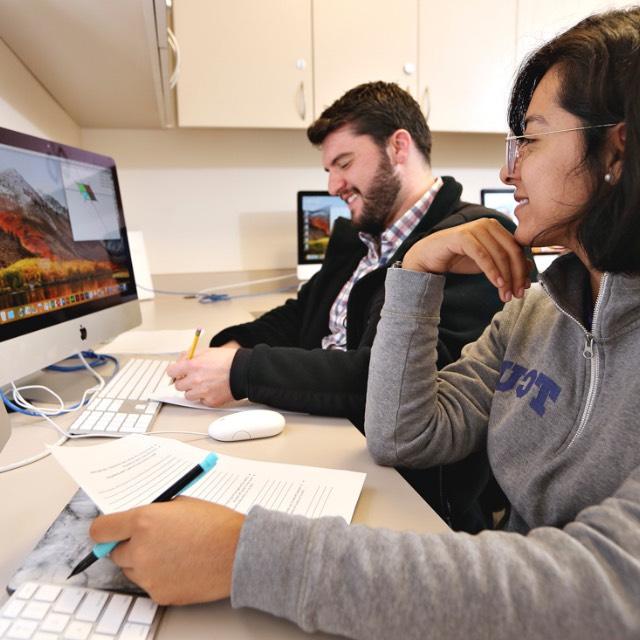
(247, 425)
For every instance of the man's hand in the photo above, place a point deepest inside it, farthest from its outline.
(205, 377)
(480, 246)
(179, 552)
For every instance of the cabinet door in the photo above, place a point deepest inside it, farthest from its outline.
(466, 64)
(540, 20)
(244, 63)
(356, 41)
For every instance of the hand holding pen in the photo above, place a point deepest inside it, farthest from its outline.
(105, 548)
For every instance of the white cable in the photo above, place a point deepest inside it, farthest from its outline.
(44, 413)
(25, 404)
(237, 285)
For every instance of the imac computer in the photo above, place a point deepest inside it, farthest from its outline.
(66, 279)
(317, 211)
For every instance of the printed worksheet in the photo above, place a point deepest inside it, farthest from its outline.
(132, 471)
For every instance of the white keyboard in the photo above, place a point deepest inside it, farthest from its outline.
(123, 406)
(38, 611)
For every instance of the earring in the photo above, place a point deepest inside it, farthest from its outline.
(608, 177)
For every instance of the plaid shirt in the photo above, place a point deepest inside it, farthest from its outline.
(379, 253)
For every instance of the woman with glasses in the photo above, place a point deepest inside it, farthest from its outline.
(551, 389)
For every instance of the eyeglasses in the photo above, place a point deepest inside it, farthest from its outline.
(514, 144)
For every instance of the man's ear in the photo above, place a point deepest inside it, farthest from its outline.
(400, 142)
(617, 139)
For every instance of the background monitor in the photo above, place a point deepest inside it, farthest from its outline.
(66, 279)
(317, 211)
(500, 199)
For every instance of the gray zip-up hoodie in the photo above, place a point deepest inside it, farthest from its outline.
(559, 409)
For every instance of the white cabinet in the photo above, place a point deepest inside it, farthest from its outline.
(466, 63)
(244, 63)
(540, 20)
(356, 41)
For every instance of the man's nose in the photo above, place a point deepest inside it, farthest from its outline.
(336, 184)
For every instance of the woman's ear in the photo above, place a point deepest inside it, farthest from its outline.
(617, 140)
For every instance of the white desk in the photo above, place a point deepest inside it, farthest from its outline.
(33, 496)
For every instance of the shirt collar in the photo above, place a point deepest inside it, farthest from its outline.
(392, 237)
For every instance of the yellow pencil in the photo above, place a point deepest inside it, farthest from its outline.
(194, 344)
(192, 348)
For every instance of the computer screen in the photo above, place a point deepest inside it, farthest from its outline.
(66, 279)
(500, 199)
(317, 211)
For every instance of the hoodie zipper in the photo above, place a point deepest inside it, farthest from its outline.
(589, 353)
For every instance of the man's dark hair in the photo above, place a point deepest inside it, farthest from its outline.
(377, 109)
(598, 62)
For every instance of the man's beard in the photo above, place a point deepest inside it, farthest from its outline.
(378, 203)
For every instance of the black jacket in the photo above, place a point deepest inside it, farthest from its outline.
(284, 365)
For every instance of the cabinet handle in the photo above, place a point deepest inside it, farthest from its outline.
(173, 43)
(302, 103)
(426, 103)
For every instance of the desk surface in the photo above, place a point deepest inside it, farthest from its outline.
(33, 496)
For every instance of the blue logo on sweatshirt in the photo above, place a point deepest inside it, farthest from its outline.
(528, 378)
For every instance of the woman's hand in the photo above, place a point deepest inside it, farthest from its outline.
(179, 552)
(481, 246)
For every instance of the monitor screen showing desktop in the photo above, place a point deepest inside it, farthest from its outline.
(66, 279)
(317, 211)
(500, 199)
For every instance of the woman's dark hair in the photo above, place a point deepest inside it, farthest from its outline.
(377, 109)
(598, 62)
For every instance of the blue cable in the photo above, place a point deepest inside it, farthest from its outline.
(97, 360)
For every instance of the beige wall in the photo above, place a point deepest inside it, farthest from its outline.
(224, 200)
(25, 105)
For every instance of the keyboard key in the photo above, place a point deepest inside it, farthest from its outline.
(47, 593)
(44, 635)
(115, 405)
(151, 407)
(55, 622)
(104, 404)
(117, 422)
(143, 423)
(69, 600)
(26, 590)
(92, 605)
(4, 625)
(104, 421)
(78, 630)
(22, 629)
(13, 608)
(114, 614)
(133, 631)
(35, 610)
(143, 611)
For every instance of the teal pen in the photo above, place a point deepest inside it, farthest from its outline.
(103, 549)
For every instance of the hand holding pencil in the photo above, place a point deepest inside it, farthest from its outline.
(192, 348)
(205, 377)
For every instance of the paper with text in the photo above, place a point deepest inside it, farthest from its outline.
(132, 471)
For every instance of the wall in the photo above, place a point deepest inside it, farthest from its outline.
(27, 107)
(224, 200)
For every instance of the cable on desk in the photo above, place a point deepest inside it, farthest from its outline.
(205, 296)
(96, 360)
